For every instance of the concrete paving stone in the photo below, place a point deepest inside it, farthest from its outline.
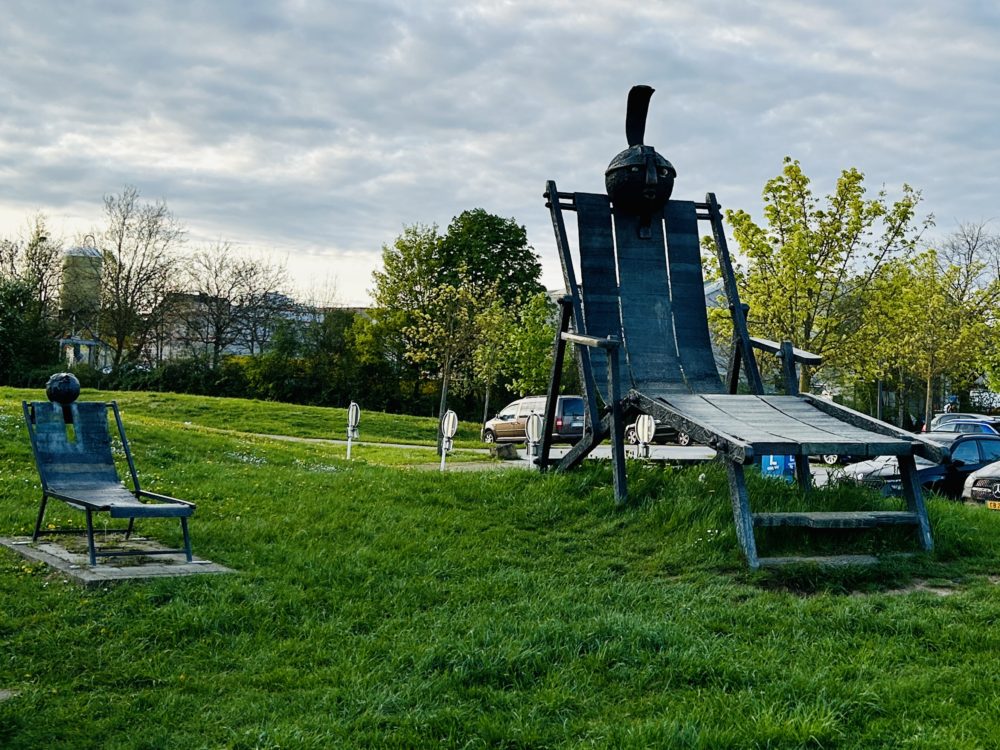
(74, 564)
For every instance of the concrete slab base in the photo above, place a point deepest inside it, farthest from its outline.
(68, 555)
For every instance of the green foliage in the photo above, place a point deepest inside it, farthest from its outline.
(529, 362)
(26, 334)
(809, 271)
(380, 607)
(442, 299)
(923, 319)
(488, 252)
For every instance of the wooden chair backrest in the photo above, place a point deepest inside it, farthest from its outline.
(647, 288)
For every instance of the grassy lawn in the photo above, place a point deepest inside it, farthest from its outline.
(379, 606)
(265, 417)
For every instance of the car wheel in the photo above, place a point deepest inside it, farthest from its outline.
(631, 436)
(489, 437)
(830, 459)
(683, 438)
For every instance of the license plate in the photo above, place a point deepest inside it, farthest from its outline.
(993, 504)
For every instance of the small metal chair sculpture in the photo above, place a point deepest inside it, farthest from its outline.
(71, 443)
(641, 301)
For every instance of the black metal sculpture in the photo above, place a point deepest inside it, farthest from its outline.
(639, 181)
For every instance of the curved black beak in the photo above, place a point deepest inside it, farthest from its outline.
(635, 113)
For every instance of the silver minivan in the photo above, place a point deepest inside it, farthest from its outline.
(508, 425)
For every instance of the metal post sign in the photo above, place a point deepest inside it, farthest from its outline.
(353, 420)
(533, 432)
(645, 430)
(449, 426)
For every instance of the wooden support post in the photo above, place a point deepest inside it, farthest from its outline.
(741, 513)
(617, 427)
(915, 499)
(733, 369)
(788, 374)
(552, 398)
(41, 516)
(91, 548)
(187, 538)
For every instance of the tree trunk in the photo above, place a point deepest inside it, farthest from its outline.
(805, 379)
(929, 397)
(486, 413)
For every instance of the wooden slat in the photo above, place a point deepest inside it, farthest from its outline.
(783, 425)
(647, 317)
(599, 283)
(829, 561)
(799, 355)
(838, 520)
(687, 295)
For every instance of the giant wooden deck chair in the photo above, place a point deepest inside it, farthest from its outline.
(638, 317)
(72, 449)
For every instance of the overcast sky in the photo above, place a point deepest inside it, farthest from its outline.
(317, 130)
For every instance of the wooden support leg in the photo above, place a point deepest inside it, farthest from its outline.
(131, 525)
(803, 473)
(617, 430)
(41, 515)
(187, 538)
(915, 499)
(91, 548)
(552, 399)
(741, 513)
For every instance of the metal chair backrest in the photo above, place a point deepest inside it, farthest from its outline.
(74, 454)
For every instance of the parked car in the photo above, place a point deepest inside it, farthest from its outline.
(968, 454)
(970, 426)
(831, 459)
(983, 486)
(664, 433)
(941, 417)
(508, 426)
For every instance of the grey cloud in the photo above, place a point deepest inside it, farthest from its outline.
(328, 126)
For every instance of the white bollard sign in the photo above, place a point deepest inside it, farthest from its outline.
(449, 426)
(533, 432)
(353, 420)
(645, 430)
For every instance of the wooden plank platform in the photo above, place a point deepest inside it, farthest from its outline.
(785, 425)
(828, 561)
(838, 520)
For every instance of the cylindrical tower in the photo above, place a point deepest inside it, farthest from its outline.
(80, 298)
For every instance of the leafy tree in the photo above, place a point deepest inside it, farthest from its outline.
(411, 270)
(424, 275)
(444, 334)
(808, 270)
(931, 316)
(487, 250)
(529, 360)
(495, 323)
(26, 333)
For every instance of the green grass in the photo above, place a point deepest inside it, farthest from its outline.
(379, 606)
(267, 417)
